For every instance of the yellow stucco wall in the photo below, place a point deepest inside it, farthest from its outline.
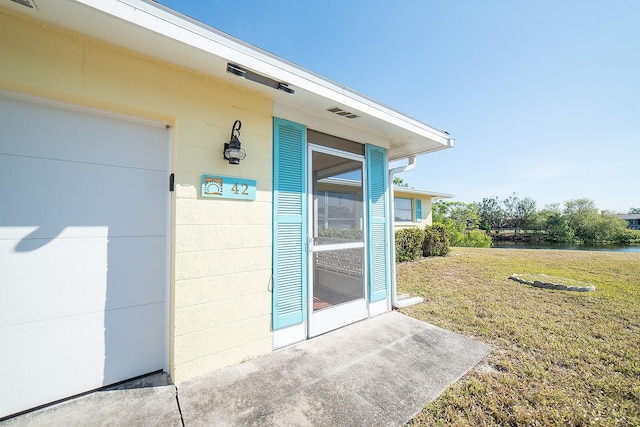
(427, 218)
(220, 310)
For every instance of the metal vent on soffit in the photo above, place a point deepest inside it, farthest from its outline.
(27, 3)
(343, 113)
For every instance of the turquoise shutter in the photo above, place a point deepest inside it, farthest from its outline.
(378, 230)
(418, 210)
(289, 223)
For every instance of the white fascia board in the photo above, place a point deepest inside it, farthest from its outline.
(164, 21)
(431, 194)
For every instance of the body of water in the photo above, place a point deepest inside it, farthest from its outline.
(566, 246)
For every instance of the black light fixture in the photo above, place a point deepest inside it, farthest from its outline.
(232, 150)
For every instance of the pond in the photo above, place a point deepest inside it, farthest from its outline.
(566, 246)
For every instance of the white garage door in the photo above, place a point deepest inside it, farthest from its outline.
(83, 251)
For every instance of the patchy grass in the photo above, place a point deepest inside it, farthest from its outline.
(559, 358)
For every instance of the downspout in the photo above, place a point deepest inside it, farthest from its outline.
(395, 303)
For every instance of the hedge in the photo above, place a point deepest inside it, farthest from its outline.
(409, 244)
(413, 243)
(436, 240)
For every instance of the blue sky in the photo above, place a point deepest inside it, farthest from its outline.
(542, 97)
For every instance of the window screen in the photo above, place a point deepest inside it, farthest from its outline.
(402, 209)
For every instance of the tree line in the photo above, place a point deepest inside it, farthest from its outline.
(515, 218)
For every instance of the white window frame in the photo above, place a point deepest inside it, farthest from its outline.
(396, 210)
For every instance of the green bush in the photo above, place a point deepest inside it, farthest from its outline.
(470, 239)
(409, 244)
(341, 233)
(436, 240)
(629, 236)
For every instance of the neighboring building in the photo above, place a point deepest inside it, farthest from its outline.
(412, 208)
(129, 244)
(632, 219)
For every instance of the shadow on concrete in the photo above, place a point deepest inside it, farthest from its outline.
(155, 379)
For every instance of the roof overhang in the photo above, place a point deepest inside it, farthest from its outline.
(156, 31)
(424, 193)
(629, 216)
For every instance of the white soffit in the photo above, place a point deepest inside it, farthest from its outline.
(154, 30)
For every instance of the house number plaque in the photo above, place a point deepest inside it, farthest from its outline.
(226, 187)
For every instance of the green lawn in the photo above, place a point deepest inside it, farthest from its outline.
(559, 358)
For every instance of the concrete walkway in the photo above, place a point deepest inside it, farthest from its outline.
(378, 372)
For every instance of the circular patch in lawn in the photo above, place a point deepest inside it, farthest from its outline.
(552, 282)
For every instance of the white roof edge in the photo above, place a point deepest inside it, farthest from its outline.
(351, 183)
(161, 19)
(432, 194)
(629, 216)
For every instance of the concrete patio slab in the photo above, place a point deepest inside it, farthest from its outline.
(378, 372)
(148, 401)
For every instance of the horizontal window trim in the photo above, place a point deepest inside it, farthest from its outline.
(337, 246)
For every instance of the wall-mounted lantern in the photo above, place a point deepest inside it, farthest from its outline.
(232, 150)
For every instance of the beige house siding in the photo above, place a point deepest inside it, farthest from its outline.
(426, 217)
(220, 310)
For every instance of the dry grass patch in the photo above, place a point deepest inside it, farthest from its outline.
(560, 358)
